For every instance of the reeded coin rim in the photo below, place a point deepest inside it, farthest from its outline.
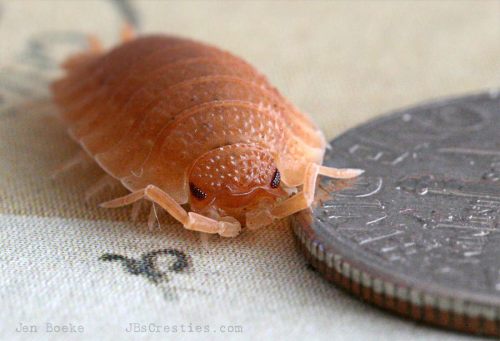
(400, 294)
(467, 311)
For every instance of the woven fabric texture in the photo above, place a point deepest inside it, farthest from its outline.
(66, 262)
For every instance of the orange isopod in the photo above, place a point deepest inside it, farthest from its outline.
(181, 122)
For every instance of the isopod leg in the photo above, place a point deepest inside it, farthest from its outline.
(153, 217)
(303, 199)
(95, 44)
(81, 158)
(104, 182)
(128, 32)
(81, 58)
(340, 173)
(298, 202)
(226, 227)
(136, 209)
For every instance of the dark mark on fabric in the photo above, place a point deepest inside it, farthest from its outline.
(42, 48)
(128, 12)
(147, 265)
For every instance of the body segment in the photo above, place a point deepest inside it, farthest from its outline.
(159, 112)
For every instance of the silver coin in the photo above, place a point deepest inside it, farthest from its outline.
(419, 232)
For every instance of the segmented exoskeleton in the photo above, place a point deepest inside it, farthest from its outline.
(181, 122)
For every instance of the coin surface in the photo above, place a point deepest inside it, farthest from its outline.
(419, 232)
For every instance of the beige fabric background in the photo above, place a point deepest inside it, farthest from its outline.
(343, 62)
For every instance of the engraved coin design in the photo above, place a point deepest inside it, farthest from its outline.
(419, 232)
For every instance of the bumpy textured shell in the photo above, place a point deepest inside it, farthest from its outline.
(147, 109)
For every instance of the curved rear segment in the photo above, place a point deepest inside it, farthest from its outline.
(98, 77)
(148, 108)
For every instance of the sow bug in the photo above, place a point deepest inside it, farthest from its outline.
(181, 122)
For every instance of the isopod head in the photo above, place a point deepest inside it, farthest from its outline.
(232, 180)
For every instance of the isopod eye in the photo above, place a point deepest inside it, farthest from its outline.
(197, 192)
(275, 182)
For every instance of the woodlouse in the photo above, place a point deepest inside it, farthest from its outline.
(181, 122)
